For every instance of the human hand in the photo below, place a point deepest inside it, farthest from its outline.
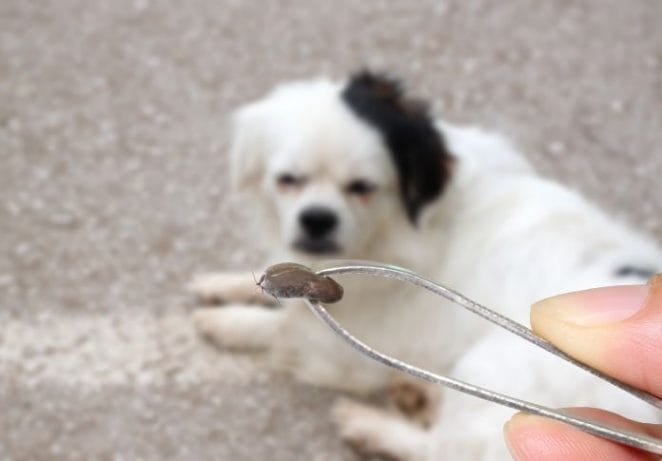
(617, 330)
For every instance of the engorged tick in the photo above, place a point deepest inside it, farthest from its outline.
(292, 280)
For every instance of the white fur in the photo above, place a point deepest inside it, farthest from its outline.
(499, 234)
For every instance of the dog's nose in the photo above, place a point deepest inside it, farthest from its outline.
(318, 221)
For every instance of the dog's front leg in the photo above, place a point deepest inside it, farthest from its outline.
(228, 287)
(238, 326)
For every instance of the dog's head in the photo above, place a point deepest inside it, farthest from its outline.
(340, 164)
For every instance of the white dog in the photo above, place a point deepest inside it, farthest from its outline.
(353, 169)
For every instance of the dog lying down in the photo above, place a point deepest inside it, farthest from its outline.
(355, 169)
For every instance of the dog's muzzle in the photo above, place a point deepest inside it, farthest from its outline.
(318, 224)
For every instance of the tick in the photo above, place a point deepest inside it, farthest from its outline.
(292, 280)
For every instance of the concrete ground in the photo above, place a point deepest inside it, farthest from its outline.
(113, 187)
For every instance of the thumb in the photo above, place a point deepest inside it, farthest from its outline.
(617, 330)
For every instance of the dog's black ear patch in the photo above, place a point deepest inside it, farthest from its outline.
(417, 148)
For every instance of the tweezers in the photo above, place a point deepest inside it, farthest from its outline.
(624, 436)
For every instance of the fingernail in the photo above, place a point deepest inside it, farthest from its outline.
(595, 307)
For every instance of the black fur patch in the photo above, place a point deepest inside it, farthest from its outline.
(416, 146)
(634, 271)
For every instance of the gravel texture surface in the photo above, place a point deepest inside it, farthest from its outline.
(113, 187)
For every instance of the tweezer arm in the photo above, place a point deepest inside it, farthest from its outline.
(631, 438)
(378, 270)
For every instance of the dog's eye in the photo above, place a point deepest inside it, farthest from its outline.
(360, 187)
(290, 180)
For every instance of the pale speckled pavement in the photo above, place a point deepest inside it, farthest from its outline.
(113, 188)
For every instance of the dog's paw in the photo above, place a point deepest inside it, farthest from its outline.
(355, 423)
(375, 433)
(238, 327)
(224, 287)
(416, 400)
(210, 326)
(218, 328)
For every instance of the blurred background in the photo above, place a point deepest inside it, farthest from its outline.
(113, 188)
